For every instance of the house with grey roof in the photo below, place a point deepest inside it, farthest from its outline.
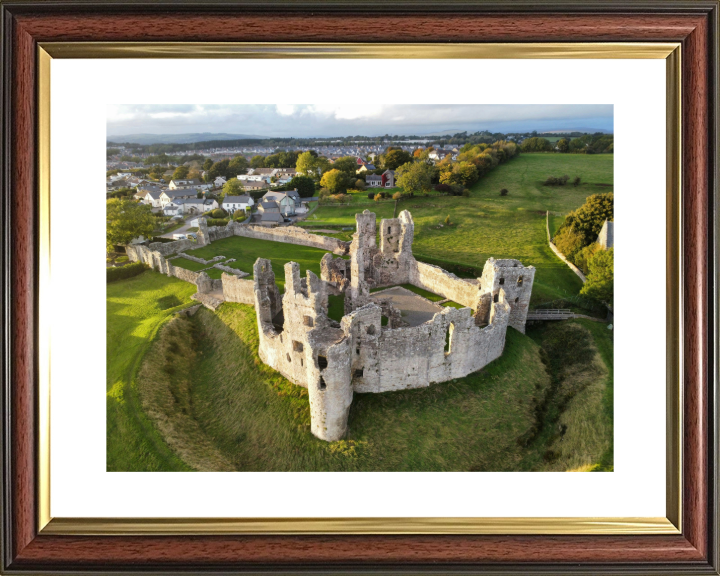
(288, 201)
(181, 184)
(374, 181)
(261, 185)
(169, 195)
(269, 213)
(195, 205)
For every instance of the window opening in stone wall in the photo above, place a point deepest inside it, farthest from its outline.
(448, 338)
(495, 298)
(301, 362)
(371, 329)
(502, 280)
(297, 346)
(288, 357)
(322, 362)
(389, 229)
(520, 280)
(517, 299)
(359, 373)
(308, 321)
(357, 351)
(321, 384)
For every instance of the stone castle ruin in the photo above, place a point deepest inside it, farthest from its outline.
(389, 338)
(358, 354)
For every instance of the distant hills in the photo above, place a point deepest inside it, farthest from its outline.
(145, 139)
(570, 131)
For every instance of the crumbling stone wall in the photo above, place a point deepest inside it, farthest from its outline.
(171, 248)
(516, 281)
(336, 272)
(290, 235)
(446, 284)
(448, 346)
(157, 261)
(236, 289)
(235, 271)
(220, 232)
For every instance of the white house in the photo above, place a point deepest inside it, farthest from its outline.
(171, 210)
(219, 181)
(152, 197)
(253, 177)
(232, 203)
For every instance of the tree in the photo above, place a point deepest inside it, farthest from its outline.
(257, 161)
(462, 173)
(127, 220)
(233, 187)
(347, 164)
(599, 283)
(181, 172)
(207, 164)
(563, 145)
(378, 197)
(360, 184)
(536, 145)
(221, 168)
(307, 165)
(393, 159)
(397, 196)
(415, 177)
(447, 220)
(304, 185)
(583, 257)
(590, 217)
(238, 165)
(569, 241)
(335, 181)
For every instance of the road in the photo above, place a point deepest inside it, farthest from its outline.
(182, 230)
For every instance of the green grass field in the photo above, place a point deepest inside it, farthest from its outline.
(136, 308)
(487, 224)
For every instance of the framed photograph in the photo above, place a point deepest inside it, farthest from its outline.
(352, 288)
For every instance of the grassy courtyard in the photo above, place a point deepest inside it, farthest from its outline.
(247, 250)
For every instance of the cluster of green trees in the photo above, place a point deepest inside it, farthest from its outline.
(126, 220)
(598, 143)
(576, 239)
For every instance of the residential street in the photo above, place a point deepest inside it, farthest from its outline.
(183, 229)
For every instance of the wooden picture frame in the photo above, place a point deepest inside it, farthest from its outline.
(28, 546)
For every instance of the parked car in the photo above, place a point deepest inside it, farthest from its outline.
(192, 235)
(179, 237)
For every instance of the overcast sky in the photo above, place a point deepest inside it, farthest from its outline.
(308, 120)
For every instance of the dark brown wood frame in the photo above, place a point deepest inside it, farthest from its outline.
(24, 24)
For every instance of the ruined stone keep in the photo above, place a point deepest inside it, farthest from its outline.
(422, 342)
